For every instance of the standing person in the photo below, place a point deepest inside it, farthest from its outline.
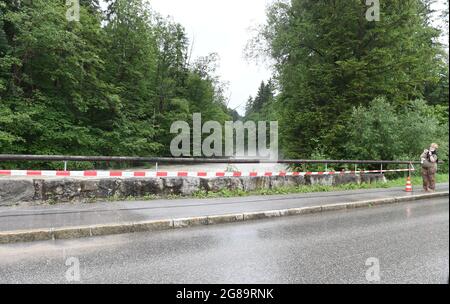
(429, 160)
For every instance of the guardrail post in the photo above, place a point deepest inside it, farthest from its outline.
(65, 165)
(156, 167)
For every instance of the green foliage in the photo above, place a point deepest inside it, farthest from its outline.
(382, 131)
(260, 105)
(373, 133)
(329, 59)
(111, 84)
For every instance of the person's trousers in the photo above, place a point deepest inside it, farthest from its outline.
(429, 178)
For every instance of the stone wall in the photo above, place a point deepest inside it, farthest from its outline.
(67, 190)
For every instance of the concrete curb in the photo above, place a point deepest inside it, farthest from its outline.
(160, 225)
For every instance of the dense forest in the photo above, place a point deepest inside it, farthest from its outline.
(348, 88)
(110, 84)
(114, 82)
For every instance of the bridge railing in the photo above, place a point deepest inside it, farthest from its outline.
(174, 160)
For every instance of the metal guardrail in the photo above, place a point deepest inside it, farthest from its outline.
(120, 159)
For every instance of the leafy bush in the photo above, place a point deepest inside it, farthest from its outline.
(384, 132)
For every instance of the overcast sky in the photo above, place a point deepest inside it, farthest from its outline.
(222, 26)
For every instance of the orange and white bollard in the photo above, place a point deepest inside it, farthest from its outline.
(409, 187)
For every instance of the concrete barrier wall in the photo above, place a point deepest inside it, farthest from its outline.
(67, 190)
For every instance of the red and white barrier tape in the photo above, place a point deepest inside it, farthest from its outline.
(103, 174)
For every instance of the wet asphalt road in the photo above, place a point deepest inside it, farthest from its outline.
(70, 215)
(410, 241)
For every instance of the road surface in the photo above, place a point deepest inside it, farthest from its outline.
(410, 241)
(69, 215)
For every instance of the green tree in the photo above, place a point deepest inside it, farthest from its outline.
(54, 88)
(329, 58)
(263, 98)
(383, 131)
(110, 84)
